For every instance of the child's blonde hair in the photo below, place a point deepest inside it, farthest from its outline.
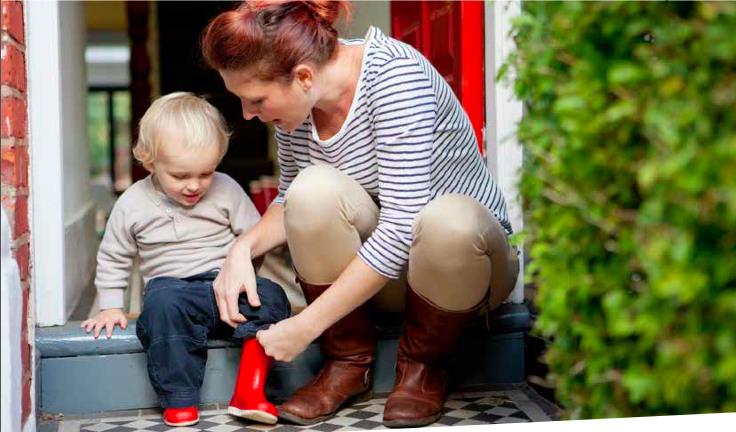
(196, 120)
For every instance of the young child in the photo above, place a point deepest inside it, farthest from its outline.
(181, 221)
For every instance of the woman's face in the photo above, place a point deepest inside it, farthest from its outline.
(286, 104)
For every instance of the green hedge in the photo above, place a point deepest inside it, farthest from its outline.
(629, 189)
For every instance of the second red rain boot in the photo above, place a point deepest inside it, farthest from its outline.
(249, 399)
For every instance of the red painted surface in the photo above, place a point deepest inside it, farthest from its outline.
(450, 35)
(14, 163)
(472, 83)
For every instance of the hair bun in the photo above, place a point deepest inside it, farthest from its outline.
(324, 12)
(273, 35)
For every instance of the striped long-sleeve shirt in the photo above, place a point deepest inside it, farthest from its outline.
(406, 140)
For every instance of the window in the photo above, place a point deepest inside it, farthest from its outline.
(108, 129)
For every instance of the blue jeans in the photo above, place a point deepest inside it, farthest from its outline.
(178, 317)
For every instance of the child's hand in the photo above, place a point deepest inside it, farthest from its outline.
(107, 319)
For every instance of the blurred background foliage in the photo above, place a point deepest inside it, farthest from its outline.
(629, 188)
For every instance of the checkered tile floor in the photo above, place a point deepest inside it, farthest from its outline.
(515, 405)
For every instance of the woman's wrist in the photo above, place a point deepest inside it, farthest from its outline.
(242, 248)
(311, 326)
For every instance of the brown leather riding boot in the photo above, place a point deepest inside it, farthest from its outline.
(349, 347)
(429, 337)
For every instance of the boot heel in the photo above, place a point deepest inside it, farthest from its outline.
(361, 397)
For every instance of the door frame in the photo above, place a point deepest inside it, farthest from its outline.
(503, 114)
(46, 167)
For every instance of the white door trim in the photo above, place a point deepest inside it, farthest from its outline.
(45, 139)
(503, 114)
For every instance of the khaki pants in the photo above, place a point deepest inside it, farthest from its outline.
(459, 255)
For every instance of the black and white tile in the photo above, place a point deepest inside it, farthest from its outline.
(517, 404)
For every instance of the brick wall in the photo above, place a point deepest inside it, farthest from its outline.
(14, 168)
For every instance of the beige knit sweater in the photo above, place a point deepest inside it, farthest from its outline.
(170, 239)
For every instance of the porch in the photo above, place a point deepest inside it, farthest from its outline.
(70, 375)
(105, 386)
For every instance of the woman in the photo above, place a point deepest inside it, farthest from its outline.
(380, 175)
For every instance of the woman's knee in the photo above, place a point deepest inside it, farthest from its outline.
(322, 201)
(449, 229)
(450, 259)
(313, 189)
(312, 200)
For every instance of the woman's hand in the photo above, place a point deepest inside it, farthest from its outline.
(237, 276)
(286, 339)
(107, 319)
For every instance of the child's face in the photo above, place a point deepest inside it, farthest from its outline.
(184, 174)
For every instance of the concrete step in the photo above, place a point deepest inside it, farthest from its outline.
(80, 375)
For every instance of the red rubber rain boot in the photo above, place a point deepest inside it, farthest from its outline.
(177, 417)
(249, 400)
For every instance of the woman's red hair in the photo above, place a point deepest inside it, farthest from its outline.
(272, 36)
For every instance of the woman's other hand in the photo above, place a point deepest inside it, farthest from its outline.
(106, 319)
(286, 339)
(237, 276)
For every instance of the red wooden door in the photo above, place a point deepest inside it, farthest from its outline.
(450, 35)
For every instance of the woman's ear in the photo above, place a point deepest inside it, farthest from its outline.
(304, 76)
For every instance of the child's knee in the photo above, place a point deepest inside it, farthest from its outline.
(164, 309)
(273, 297)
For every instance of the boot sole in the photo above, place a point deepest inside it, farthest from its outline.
(407, 423)
(182, 424)
(255, 415)
(360, 397)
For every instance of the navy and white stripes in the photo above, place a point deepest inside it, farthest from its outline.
(406, 140)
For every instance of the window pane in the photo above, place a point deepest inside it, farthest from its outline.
(123, 159)
(98, 134)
